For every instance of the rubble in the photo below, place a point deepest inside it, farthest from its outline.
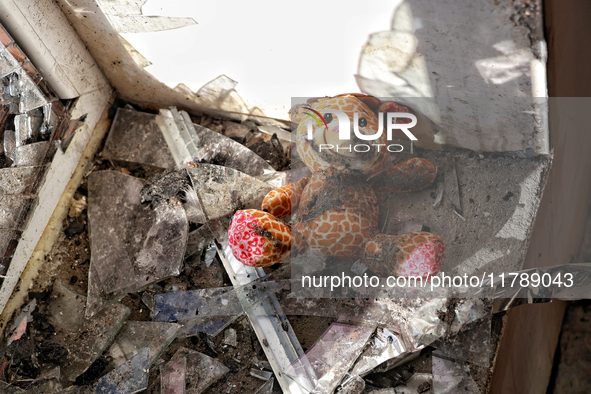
(163, 222)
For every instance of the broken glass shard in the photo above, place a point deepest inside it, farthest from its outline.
(48, 383)
(8, 63)
(138, 335)
(263, 375)
(354, 385)
(132, 244)
(33, 154)
(215, 148)
(30, 95)
(12, 209)
(187, 307)
(223, 191)
(17, 180)
(9, 144)
(386, 345)
(22, 129)
(172, 376)
(201, 371)
(135, 137)
(148, 300)
(266, 388)
(330, 358)
(452, 377)
(131, 377)
(86, 339)
(230, 337)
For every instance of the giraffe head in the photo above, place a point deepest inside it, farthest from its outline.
(329, 145)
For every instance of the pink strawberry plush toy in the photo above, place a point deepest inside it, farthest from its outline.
(335, 210)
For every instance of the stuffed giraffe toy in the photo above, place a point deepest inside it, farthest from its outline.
(335, 211)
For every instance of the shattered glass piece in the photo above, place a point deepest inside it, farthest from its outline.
(49, 120)
(148, 300)
(146, 24)
(135, 137)
(263, 375)
(355, 385)
(210, 254)
(17, 180)
(9, 144)
(330, 358)
(30, 95)
(201, 372)
(131, 377)
(472, 343)
(261, 364)
(230, 337)
(209, 325)
(12, 209)
(138, 335)
(186, 307)
(215, 148)
(23, 130)
(86, 339)
(32, 154)
(14, 84)
(266, 388)
(146, 244)
(172, 376)
(48, 383)
(223, 191)
(450, 377)
(193, 207)
(386, 345)
(8, 64)
(217, 86)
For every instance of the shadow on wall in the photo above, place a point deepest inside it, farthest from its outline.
(474, 69)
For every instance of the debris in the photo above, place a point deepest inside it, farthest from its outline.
(48, 383)
(266, 388)
(144, 242)
(269, 149)
(131, 377)
(138, 335)
(230, 337)
(190, 309)
(172, 376)
(85, 339)
(439, 197)
(135, 137)
(331, 357)
(33, 154)
(19, 327)
(263, 375)
(201, 371)
(236, 131)
(452, 377)
(355, 385)
(77, 206)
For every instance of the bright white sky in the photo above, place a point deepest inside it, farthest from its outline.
(274, 49)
